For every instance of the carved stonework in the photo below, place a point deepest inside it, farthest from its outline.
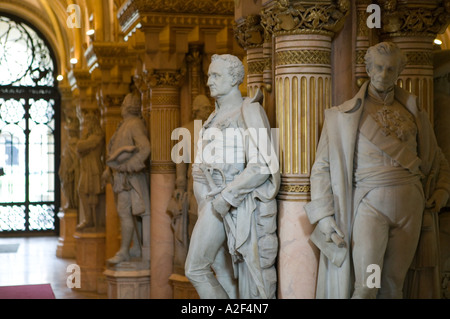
(107, 55)
(303, 57)
(304, 17)
(133, 9)
(249, 32)
(161, 78)
(427, 18)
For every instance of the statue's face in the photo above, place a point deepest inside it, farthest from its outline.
(220, 81)
(384, 71)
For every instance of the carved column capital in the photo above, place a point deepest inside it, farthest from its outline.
(249, 32)
(407, 18)
(164, 78)
(305, 17)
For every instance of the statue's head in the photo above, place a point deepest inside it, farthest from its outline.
(131, 104)
(384, 62)
(225, 72)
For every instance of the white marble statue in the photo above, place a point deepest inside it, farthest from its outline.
(234, 244)
(183, 205)
(128, 153)
(377, 166)
(90, 149)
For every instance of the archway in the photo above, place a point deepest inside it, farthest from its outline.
(29, 130)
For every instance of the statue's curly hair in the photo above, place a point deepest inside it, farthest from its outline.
(235, 66)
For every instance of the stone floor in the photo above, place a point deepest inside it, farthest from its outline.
(35, 262)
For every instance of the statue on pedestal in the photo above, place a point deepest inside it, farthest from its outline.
(234, 243)
(127, 171)
(378, 166)
(69, 169)
(183, 205)
(90, 150)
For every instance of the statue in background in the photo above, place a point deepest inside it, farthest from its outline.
(377, 166)
(90, 150)
(183, 205)
(234, 243)
(69, 169)
(128, 152)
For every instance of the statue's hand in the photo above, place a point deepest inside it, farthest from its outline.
(437, 200)
(327, 226)
(221, 205)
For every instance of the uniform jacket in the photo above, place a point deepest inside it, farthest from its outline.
(332, 178)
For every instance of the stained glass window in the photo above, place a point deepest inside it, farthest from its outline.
(29, 130)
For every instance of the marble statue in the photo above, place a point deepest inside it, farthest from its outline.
(234, 243)
(90, 150)
(69, 169)
(377, 166)
(183, 205)
(128, 153)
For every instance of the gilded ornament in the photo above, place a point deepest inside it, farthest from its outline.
(297, 17)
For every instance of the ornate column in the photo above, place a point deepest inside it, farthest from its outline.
(413, 25)
(164, 118)
(257, 43)
(302, 32)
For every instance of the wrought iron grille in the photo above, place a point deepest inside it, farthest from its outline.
(29, 130)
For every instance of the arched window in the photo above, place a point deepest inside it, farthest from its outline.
(29, 130)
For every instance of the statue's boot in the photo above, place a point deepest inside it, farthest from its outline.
(208, 288)
(119, 257)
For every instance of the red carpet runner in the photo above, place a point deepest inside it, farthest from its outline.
(27, 292)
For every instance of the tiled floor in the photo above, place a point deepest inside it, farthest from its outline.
(35, 262)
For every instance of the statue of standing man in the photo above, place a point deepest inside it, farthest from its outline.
(377, 167)
(128, 152)
(234, 243)
(90, 150)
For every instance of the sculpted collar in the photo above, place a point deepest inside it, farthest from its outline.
(375, 95)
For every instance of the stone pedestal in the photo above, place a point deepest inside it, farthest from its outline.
(66, 241)
(128, 284)
(182, 287)
(90, 256)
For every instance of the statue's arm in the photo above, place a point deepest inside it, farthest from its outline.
(137, 161)
(86, 145)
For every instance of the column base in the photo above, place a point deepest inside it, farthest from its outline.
(182, 287)
(66, 242)
(128, 284)
(90, 257)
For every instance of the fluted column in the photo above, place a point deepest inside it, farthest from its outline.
(164, 118)
(413, 25)
(302, 87)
